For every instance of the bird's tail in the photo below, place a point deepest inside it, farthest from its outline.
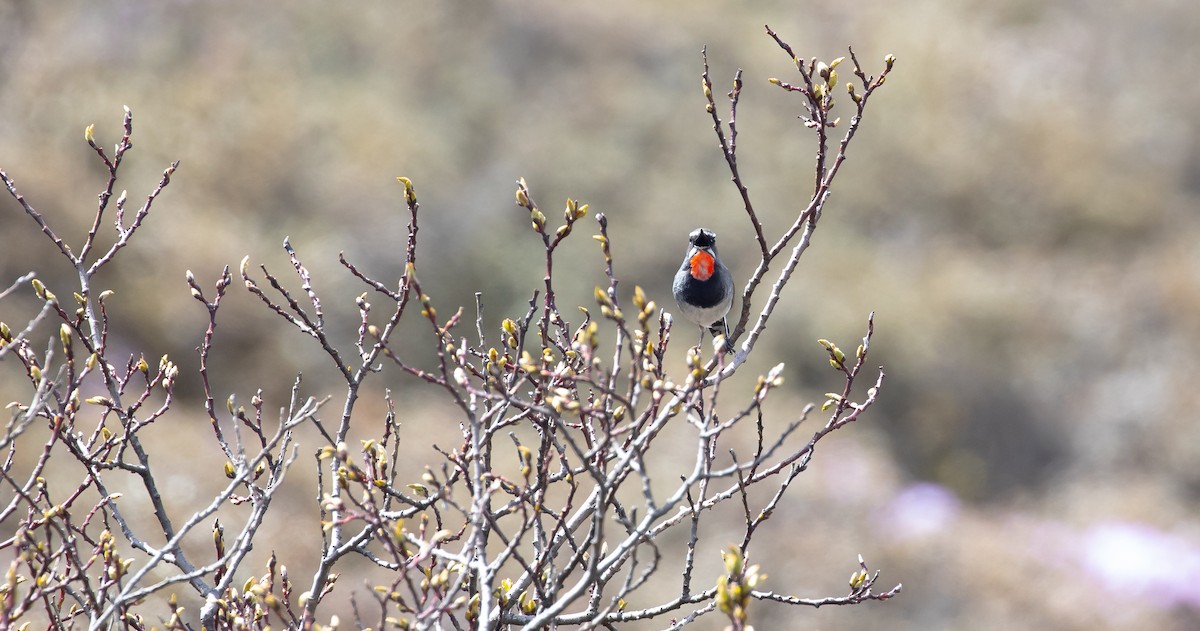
(721, 328)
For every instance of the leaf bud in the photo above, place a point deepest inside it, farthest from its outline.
(639, 297)
(857, 580)
(410, 195)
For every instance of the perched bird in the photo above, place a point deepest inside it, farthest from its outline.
(703, 285)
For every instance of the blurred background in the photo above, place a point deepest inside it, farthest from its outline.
(1019, 209)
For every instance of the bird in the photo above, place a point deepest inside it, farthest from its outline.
(703, 286)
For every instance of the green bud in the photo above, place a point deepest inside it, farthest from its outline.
(410, 195)
(733, 561)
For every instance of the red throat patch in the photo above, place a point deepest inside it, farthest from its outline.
(702, 265)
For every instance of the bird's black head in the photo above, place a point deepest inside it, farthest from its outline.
(702, 238)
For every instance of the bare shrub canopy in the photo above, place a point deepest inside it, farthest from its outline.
(557, 524)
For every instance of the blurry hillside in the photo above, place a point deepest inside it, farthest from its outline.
(1020, 210)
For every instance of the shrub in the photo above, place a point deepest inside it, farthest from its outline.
(546, 513)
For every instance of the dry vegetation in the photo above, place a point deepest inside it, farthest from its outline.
(546, 511)
(1019, 212)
